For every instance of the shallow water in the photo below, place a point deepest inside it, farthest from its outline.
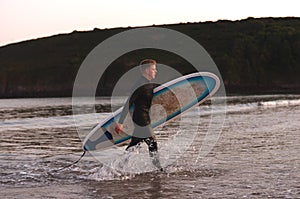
(256, 155)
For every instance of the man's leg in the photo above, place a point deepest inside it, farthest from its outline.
(152, 146)
(134, 141)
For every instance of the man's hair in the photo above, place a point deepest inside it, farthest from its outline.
(144, 64)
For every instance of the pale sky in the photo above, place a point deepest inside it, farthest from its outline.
(29, 19)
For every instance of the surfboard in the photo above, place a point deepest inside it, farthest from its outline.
(169, 101)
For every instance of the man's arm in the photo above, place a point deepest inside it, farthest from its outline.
(125, 111)
(119, 125)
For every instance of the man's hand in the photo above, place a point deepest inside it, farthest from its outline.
(119, 128)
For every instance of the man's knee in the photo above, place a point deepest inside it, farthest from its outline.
(134, 141)
(152, 144)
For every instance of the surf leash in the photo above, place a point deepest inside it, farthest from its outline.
(68, 166)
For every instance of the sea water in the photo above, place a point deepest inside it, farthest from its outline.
(255, 156)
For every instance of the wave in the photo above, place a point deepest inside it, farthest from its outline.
(262, 104)
(280, 103)
(242, 104)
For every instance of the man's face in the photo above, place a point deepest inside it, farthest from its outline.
(152, 71)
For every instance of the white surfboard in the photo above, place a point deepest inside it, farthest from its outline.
(169, 101)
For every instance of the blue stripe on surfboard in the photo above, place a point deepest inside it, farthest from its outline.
(91, 145)
(122, 139)
(115, 118)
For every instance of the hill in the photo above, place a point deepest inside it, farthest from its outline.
(253, 55)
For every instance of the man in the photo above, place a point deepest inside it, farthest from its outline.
(141, 98)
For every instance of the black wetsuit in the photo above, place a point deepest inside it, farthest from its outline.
(141, 99)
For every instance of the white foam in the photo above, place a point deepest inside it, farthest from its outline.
(280, 103)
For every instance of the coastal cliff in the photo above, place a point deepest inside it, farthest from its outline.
(260, 56)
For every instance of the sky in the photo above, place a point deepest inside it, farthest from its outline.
(30, 19)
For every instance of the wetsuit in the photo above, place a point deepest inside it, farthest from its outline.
(141, 99)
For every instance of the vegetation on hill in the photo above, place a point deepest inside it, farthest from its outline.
(253, 56)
